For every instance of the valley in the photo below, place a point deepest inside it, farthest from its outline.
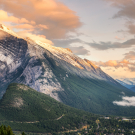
(41, 114)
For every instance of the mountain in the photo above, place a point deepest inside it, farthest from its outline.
(133, 88)
(25, 109)
(127, 82)
(60, 74)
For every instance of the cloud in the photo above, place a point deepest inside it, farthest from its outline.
(113, 63)
(34, 37)
(110, 45)
(130, 55)
(24, 26)
(98, 46)
(130, 66)
(124, 61)
(127, 8)
(4, 17)
(132, 69)
(126, 101)
(55, 19)
(79, 50)
(66, 43)
(131, 28)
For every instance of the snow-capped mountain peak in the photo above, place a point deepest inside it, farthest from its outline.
(127, 82)
(7, 30)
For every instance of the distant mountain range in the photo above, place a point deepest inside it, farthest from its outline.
(133, 88)
(57, 72)
(127, 82)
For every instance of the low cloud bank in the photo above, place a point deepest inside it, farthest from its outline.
(126, 101)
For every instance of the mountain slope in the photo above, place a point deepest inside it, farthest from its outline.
(59, 73)
(90, 94)
(127, 82)
(133, 88)
(28, 110)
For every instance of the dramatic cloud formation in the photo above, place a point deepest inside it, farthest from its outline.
(130, 66)
(4, 17)
(26, 27)
(115, 45)
(46, 17)
(41, 38)
(114, 63)
(126, 9)
(99, 46)
(126, 101)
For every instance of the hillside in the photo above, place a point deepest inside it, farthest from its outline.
(27, 110)
(60, 74)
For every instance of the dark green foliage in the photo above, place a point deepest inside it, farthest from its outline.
(40, 113)
(91, 95)
(37, 112)
(6, 130)
(23, 133)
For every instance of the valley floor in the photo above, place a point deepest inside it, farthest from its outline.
(104, 126)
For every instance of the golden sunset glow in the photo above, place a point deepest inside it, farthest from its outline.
(101, 30)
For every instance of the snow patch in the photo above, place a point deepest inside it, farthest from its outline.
(4, 28)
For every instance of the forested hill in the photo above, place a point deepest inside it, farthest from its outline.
(26, 109)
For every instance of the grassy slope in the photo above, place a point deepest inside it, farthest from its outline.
(39, 112)
(91, 95)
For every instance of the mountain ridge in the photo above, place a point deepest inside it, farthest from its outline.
(60, 74)
(127, 82)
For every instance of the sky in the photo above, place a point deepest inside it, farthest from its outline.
(102, 31)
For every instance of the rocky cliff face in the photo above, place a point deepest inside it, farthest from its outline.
(24, 61)
(21, 61)
(12, 55)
